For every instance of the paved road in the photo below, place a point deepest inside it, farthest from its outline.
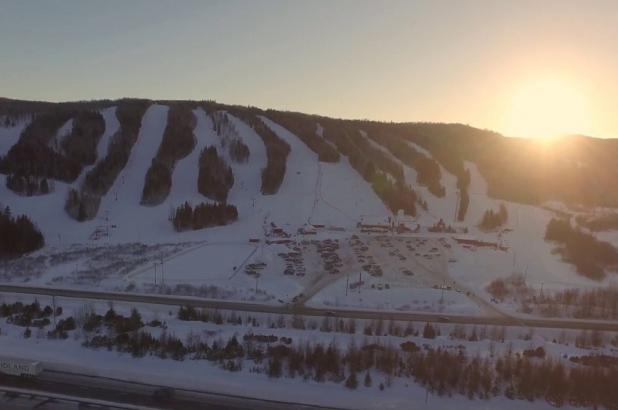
(308, 311)
(120, 394)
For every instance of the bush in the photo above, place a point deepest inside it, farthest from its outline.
(429, 332)
(203, 215)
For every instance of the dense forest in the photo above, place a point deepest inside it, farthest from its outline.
(215, 178)
(18, 235)
(203, 215)
(38, 157)
(81, 144)
(494, 219)
(33, 157)
(590, 256)
(178, 142)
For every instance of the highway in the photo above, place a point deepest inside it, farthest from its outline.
(62, 389)
(504, 320)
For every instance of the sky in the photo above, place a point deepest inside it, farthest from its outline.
(523, 68)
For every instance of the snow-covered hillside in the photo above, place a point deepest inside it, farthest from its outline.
(295, 245)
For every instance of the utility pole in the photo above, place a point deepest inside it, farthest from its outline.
(155, 273)
(162, 272)
(54, 308)
(457, 205)
(347, 283)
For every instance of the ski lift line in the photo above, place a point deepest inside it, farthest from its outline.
(328, 203)
(244, 262)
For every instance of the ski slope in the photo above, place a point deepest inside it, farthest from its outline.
(312, 192)
(185, 174)
(527, 251)
(438, 208)
(10, 135)
(318, 192)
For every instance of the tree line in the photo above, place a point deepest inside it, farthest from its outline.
(427, 169)
(590, 256)
(18, 235)
(374, 166)
(203, 215)
(33, 160)
(178, 142)
(442, 371)
(304, 127)
(494, 219)
(215, 178)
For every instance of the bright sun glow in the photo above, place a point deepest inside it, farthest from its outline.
(547, 108)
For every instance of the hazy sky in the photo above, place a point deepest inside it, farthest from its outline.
(475, 62)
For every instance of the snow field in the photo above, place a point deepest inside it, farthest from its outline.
(70, 355)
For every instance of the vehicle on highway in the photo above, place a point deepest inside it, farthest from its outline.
(20, 367)
(163, 394)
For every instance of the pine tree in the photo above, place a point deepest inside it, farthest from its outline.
(429, 332)
(351, 382)
(367, 379)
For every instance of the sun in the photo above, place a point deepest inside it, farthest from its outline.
(546, 108)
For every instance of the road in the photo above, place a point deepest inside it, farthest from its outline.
(65, 388)
(308, 311)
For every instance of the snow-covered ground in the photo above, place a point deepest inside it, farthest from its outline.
(527, 251)
(401, 393)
